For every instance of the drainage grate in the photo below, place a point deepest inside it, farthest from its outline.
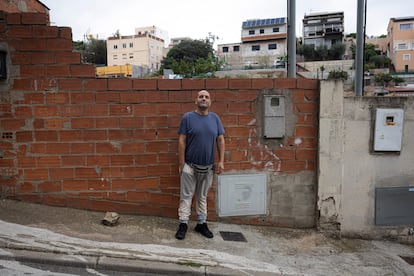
(408, 259)
(232, 236)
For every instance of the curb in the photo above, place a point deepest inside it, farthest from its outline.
(110, 263)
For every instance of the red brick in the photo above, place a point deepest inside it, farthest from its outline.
(137, 197)
(108, 122)
(86, 173)
(145, 159)
(144, 84)
(96, 84)
(13, 18)
(82, 122)
(217, 84)
(193, 84)
(68, 58)
(22, 84)
(27, 187)
(131, 97)
(169, 85)
(180, 97)
(23, 112)
(240, 83)
(159, 121)
(59, 44)
(96, 110)
(36, 174)
(70, 161)
(306, 131)
(262, 83)
(131, 122)
(306, 155)
(82, 98)
(20, 31)
(285, 83)
(147, 183)
(306, 107)
(108, 97)
(45, 135)
(98, 160)
(45, 31)
(119, 84)
(34, 98)
(65, 33)
(70, 84)
(12, 124)
(49, 187)
(82, 70)
(82, 148)
(102, 148)
(156, 96)
(134, 171)
(95, 135)
(35, 18)
(122, 160)
(32, 70)
(33, 44)
(156, 146)
(159, 170)
(44, 111)
(57, 148)
(308, 83)
(239, 107)
(70, 135)
(98, 185)
(294, 166)
(55, 123)
(104, 206)
(120, 110)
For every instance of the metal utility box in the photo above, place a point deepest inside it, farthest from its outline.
(274, 116)
(242, 195)
(394, 206)
(388, 129)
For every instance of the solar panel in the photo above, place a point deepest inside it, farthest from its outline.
(263, 22)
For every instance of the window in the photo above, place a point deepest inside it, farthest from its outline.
(276, 29)
(131, 56)
(236, 48)
(251, 32)
(406, 26)
(406, 57)
(124, 45)
(124, 56)
(115, 46)
(256, 48)
(402, 46)
(115, 56)
(272, 46)
(225, 49)
(262, 31)
(131, 45)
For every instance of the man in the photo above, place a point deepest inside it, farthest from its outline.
(199, 132)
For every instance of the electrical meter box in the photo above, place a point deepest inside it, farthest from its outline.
(388, 129)
(274, 116)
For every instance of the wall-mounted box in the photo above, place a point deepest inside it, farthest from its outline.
(274, 116)
(242, 195)
(388, 129)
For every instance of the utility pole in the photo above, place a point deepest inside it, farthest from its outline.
(291, 39)
(359, 58)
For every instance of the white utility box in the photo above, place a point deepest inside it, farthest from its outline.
(242, 195)
(388, 129)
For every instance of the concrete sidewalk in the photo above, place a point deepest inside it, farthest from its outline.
(147, 244)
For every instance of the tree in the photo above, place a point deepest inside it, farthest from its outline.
(92, 51)
(191, 58)
(307, 50)
(337, 51)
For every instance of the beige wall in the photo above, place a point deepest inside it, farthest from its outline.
(349, 172)
(142, 50)
(401, 58)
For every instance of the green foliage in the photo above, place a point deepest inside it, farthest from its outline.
(338, 75)
(92, 51)
(384, 79)
(192, 58)
(379, 61)
(321, 52)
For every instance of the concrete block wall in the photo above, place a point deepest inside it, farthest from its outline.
(70, 139)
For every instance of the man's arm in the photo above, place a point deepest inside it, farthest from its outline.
(181, 151)
(221, 148)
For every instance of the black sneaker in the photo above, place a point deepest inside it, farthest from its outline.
(203, 230)
(182, 230)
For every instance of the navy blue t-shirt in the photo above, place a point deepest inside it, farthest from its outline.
(202, 132)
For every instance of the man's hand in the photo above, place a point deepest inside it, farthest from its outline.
(220, 167)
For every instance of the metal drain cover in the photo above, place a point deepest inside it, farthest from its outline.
(408, 259)
(232, 236)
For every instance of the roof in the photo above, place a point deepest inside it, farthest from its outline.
(405, 18)
(263, 22)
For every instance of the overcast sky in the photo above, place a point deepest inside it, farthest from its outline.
(195, 19)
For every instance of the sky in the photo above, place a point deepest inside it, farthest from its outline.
(196, 19)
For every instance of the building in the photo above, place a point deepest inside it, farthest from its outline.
(17, 6)
(145, 49)
(263, 41)
(323, 29)
(400, 46)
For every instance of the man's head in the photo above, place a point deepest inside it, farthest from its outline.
(203, 100)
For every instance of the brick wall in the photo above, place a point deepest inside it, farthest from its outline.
(69, 139)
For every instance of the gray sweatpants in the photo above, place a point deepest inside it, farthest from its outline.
(193, 182)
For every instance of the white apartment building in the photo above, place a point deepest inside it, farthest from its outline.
(323, 29)
(262, 42)
(144, 49)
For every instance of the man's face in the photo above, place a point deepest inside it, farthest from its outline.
(203, 101)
